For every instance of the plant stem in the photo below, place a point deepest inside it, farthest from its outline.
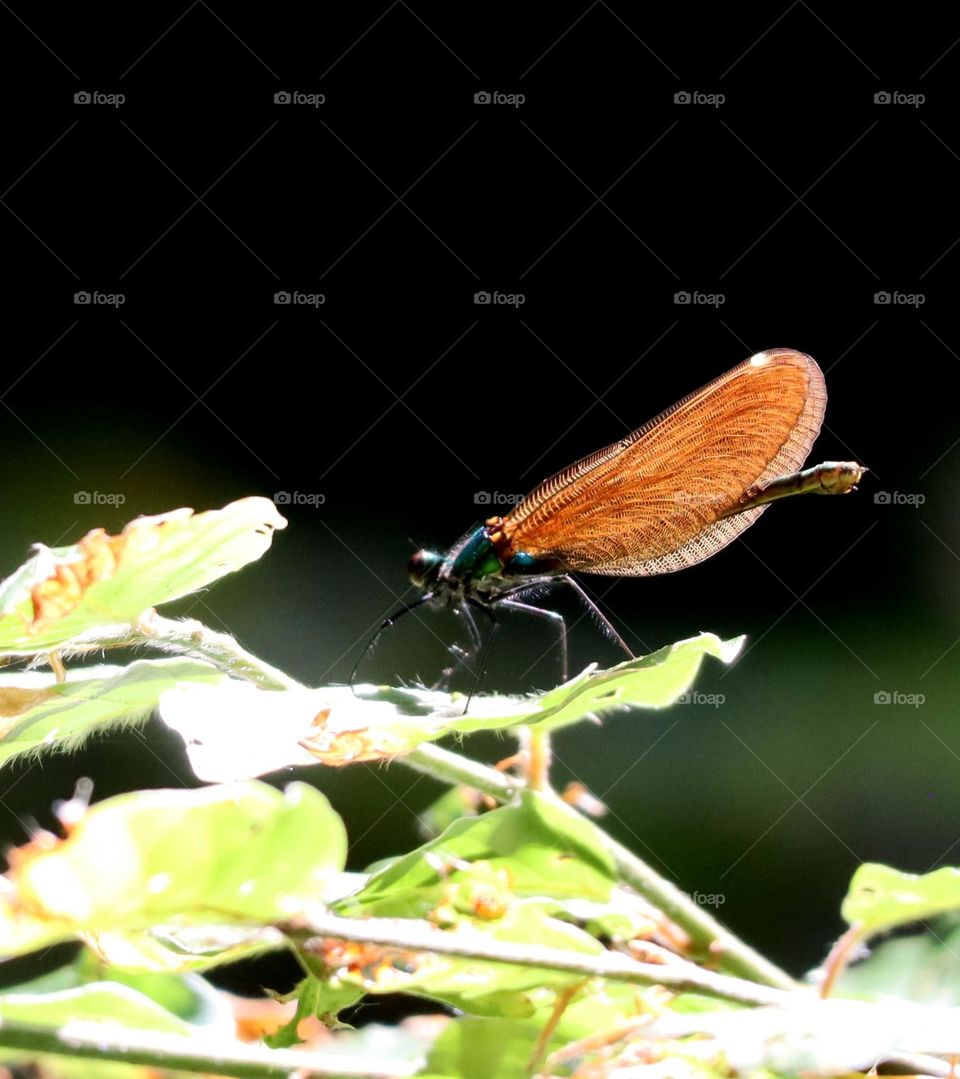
(841, 954)
(177, 1052)
(536, 745)
(413, 935)
(461, 771)
(709, 935)
(731, 953)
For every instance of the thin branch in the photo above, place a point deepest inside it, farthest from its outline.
(177, 1052)
(457, 770)
(412, 935)
(841, 955)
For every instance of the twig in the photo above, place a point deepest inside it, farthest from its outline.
(412, 935)
(841, 955)
(452, 768)
(177, 1052)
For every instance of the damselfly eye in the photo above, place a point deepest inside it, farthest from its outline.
(423, 567)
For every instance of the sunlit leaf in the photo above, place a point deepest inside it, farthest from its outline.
(187, 996)
(234, 730)
(815, 1037)
(110, 1003)
(881, 898)
(181, 949)
(245, 853)
(654, 681)
(38, 713)
(532, 848)
(237, 731)
(63, 593)
(922, 968)
(474, 1047)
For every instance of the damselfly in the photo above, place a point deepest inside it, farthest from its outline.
(674, 492)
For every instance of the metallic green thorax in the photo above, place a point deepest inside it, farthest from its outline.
(475, 566)
(476, 558)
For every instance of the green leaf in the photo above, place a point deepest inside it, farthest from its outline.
(653, 681)
(336, 726)
(315, 997)
(881, 898)
(808, 1037)
(922, 968)
(110, 1003)
(38, 713)
(62, 594)
(508, 874)
(181, 949)
(453, 804)
(475, 1047)
(308, 995)
(535, 849)
(245, 853)
(187, 996)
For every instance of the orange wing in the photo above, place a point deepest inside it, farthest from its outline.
(651, 503)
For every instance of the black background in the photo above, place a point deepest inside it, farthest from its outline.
(599, 198)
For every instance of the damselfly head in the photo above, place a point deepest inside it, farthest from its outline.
(424, 567)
